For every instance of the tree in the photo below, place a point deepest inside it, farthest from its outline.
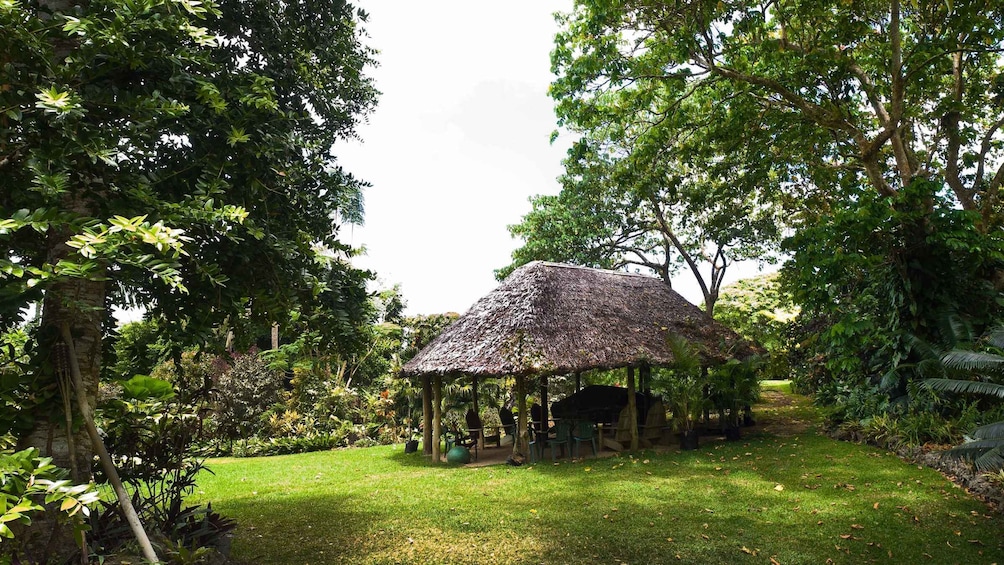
(902, 90)
(657, 182)
(857, 106)
(175, 155)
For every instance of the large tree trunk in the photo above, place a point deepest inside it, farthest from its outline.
(80, 303)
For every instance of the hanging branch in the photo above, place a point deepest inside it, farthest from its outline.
(99, 447)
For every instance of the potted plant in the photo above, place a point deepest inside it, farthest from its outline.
(734, 389)
(687, 402)
(683, 384)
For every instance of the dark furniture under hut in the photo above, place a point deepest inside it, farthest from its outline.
(555, 319)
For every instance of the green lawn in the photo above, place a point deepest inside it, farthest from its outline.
(786, 494)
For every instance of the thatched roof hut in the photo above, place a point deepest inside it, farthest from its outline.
(550, 318)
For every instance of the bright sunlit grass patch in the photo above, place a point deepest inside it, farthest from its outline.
(795, 497)
(780, 386)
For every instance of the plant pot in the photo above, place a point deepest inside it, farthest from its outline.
(688, 440)
(733, 433)
(459, 455)
(411, 446)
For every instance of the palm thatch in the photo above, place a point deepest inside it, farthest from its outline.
(549, 318)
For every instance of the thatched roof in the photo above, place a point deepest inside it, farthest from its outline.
(549, 318)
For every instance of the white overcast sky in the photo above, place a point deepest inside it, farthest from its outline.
(458, 143)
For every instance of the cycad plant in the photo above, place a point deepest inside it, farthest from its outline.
(683, 383)
(985, 445)
(735, 388)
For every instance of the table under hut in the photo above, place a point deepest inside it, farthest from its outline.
(555, 319)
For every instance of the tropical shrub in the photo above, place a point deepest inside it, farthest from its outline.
(31, 486)
(243, 395)
(735, 387)
(137, 350)
(984, 446)
(874, 274)
(152, 437)
(683, 383)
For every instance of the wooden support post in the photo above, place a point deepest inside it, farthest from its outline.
(544, 411)
(522, 445)
(427, 415)
(578, 382)
(645, 378)
(707, 395)
(437, 417)
(632, 409)
(477, 410)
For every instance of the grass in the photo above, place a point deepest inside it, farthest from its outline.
(780, 386)
(786, 494)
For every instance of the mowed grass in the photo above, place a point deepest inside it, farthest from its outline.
(785, 494)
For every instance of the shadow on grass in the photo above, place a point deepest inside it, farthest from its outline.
(416, 459)
(799, 498)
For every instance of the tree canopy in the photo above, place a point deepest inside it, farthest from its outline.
(881, 92)
(178, 155)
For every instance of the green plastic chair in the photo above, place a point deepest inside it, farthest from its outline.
(584, 431)
(562, 437)
(536, 445)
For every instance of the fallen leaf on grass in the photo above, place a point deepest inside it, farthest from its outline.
(857, 527)
(779, 488)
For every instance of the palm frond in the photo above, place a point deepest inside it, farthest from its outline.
(992, 460)
(923, 349)
(686, 360)
(973, 361)
(994, 431)
(960, 386)
(891, 378)
(996, 337)
(930, 368)
(984, 455)
(978, 445)
(961, 330)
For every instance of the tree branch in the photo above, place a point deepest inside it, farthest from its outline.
(669, 234)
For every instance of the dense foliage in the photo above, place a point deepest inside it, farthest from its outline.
(179, 156)
(180, 143)
(874, 126)
(762, 312)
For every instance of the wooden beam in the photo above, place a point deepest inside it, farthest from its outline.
(427, 415)
(437, 417)
(522, 445)
(477, 410)
(543, 403)
(632, 409)
(578, 382)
